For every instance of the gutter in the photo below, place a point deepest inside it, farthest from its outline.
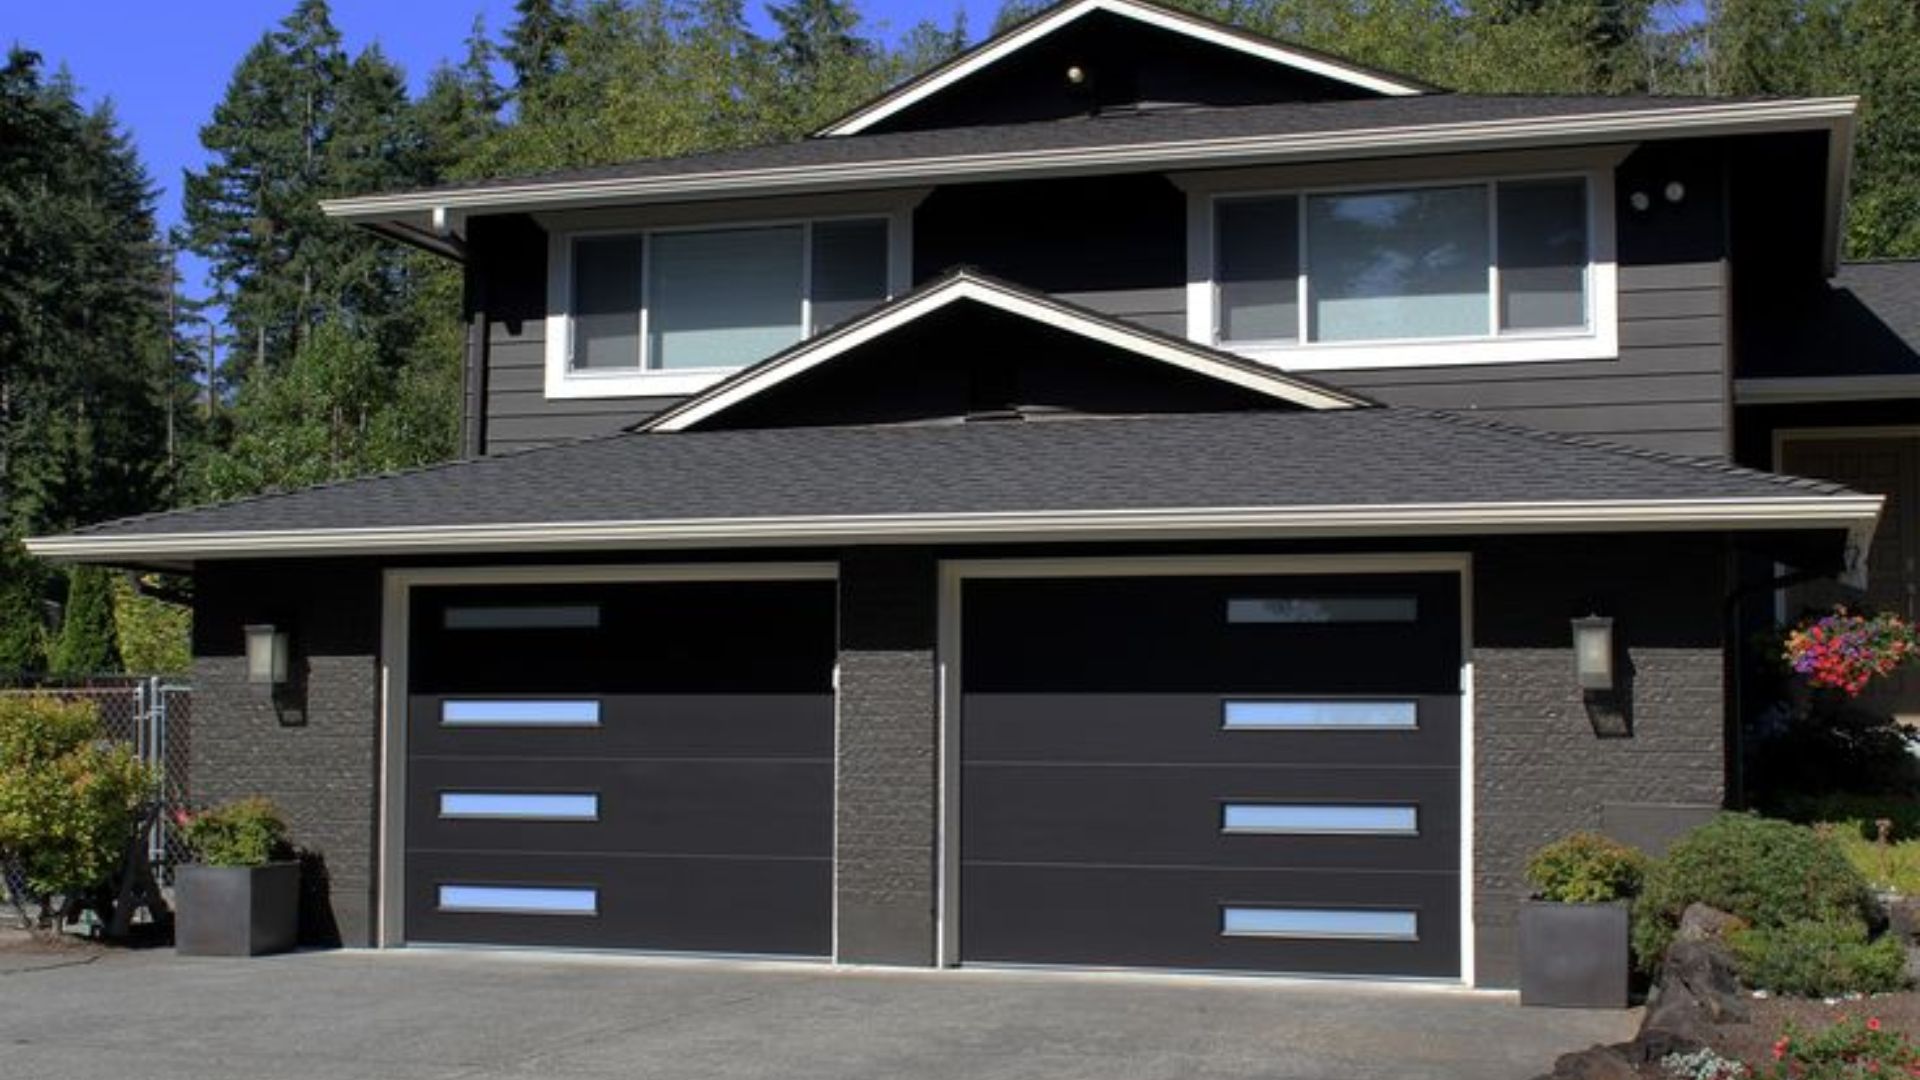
(1855, 514)
(1834, 113)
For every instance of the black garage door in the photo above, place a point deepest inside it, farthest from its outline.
(643, 766)
(1212, 773)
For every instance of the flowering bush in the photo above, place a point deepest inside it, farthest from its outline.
(1844, 651)
(1850, 1049)
(244, 832)
(1703, 1064)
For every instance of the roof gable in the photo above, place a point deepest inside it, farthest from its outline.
(1016, 342)
(1126, 53)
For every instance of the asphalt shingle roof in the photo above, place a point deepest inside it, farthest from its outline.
(1378, 457)
(1113, 130)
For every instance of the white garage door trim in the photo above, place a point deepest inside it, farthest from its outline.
(953, 573)
(396, 591)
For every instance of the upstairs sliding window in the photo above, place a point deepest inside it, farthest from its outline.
(703, 299)
(1448, 261)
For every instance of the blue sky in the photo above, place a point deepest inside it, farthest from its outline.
(165, 63)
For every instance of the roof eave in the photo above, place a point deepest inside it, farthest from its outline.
(1856, 515)
(419, 210)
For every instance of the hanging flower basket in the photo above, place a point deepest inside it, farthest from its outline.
(1844, 651)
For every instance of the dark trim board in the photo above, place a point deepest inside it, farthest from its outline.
(1036, 851)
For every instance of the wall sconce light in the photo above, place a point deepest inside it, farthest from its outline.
(1675, 191)
(266, 655)
(1593, 652)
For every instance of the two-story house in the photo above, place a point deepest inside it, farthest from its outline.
(1127, 497)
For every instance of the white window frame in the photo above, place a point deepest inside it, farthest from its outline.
(562, 382)
(1598, 340)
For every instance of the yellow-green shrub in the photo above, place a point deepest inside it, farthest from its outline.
(69, 801)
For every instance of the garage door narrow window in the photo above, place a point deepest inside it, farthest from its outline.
(1287, 610)
(525, 617)
(515, 806)
(519, 900)
(520, 714)
(1321, 715)
(1350, 925)
(1299, 819)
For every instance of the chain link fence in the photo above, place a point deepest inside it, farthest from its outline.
(152, 714)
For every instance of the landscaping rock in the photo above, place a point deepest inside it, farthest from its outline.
(1702, 923)
(1596, 1063)
(1698, 989)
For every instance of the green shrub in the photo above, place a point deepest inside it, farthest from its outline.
(245, 832)
(1849, 1049)
(1769, 873)
(1860, 813)
(154, 636)
(1820, 958)
(1586, 868)
(69, 803)
(87, 644)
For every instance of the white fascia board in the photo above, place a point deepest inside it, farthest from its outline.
(1405, 141)
(1789, 391)
(1854, 513)
(971, 63)
(965, 287)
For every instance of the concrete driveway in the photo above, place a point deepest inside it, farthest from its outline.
(443, 1014)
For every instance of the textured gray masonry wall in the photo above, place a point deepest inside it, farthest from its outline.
(313, 748)
(886, 813)
(1540, 770)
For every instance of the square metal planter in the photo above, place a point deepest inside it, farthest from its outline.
(1573, 955)
(236, 910)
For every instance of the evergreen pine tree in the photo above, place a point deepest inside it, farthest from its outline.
(23, 637)
(88, 643)
(535, 42)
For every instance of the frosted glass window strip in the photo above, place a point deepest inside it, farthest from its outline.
(1322, 715)
(1258, 274)
(1300, 819)
(513, 806)
(519, 900)
(1323, 609)
(1543, 255)
(606, 302)
(525, 617)
(1325, 923)
(724, 298)
(1398, 264)
(480, 713)
(849, 274)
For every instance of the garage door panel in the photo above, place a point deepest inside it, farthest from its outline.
(1174, 918)
(655, 638)
(774, 808)
(1147, 815)
(1209, 634)
(763, 906)
(1190, 728)
(716, 725)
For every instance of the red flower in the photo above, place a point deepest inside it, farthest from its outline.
(1873, 1023)
(1780, 1048)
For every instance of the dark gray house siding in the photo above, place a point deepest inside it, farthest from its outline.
(1540, 768)
(1118, 245)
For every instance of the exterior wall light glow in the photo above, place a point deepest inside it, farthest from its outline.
(1593, 652)
(266, 655)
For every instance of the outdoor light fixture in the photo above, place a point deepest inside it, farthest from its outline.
(1077, 75)
(1593, 652)
(266, 655)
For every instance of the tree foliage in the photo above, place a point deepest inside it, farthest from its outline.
(88, 643)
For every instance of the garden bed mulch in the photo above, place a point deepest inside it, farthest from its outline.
(1752, 1042)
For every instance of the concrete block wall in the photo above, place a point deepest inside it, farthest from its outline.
(1541, 771)
(887, 813)
(313, 748)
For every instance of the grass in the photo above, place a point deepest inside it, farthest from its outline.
(1893, 866)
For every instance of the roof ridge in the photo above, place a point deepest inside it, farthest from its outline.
(1717, 466)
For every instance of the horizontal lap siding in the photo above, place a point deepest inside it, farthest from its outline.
(511, 254)
(1666, 391)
